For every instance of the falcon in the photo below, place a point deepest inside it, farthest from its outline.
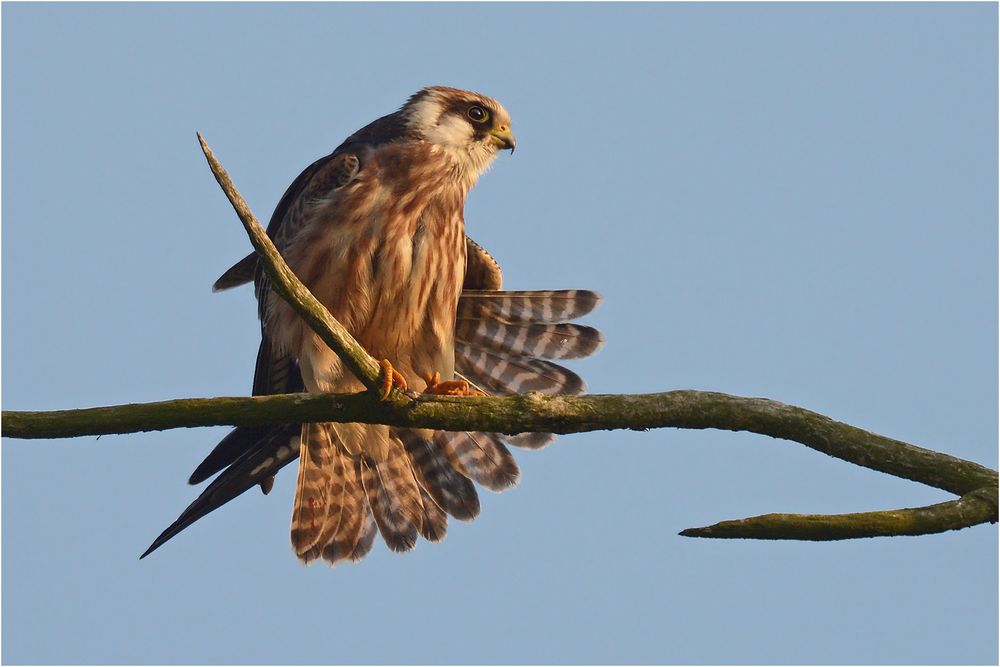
(376, 231)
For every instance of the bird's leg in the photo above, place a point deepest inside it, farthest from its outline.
(390, 378)
(448, 387)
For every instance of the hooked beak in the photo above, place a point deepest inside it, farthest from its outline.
(503, 138)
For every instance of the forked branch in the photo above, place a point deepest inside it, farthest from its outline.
(975, 485)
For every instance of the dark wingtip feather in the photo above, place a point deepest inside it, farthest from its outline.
(238, 274)
(194, 511)
(223, 454)
(269, 455)
(236, 443)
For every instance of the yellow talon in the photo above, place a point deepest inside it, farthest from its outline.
(390, 378)
(448, 387)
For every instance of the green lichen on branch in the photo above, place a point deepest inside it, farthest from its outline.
(528, 412)
(969, 510)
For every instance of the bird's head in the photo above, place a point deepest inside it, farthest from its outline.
(470, 127)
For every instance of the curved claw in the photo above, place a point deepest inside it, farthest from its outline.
(390, 378)
(449, 387)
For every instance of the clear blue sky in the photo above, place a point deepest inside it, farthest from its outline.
(790, 201)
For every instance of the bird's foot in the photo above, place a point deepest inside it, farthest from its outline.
(389, 378)
(449, 387)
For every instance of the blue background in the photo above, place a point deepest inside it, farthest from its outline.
(790, 201)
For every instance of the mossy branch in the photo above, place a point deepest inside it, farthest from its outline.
(971, 509)
(975, 484)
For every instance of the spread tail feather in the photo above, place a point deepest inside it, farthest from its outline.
(434, 525)
(318, 469)
(367, 538)
(345, 538)
(449, 489)
(481, 457)
(394, 497)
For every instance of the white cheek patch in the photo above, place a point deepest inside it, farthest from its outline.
(424, 114)
(454, 135)
(451, 132)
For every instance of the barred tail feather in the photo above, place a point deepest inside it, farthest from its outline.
(449, 489)
(481, 457)
(435, 521)
(344, 540)
(394, 497)
(367, 538)
(309, 510)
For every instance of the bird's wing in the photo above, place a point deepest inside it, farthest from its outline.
(276, 449)
(325, 174)
(482, 272)
(322, 176)
(504, 341)
(275, 374)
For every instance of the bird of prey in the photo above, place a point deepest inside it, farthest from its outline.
(376, 231)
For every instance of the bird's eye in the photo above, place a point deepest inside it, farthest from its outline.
(478, 114)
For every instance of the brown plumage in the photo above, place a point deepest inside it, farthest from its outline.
(376, 231)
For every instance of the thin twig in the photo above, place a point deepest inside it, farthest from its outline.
(969, 510)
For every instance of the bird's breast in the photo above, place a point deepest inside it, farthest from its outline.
(388, 263)
(417, 271)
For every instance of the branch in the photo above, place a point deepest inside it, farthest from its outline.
(972, 509)
(975, 484)
(523, 413)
